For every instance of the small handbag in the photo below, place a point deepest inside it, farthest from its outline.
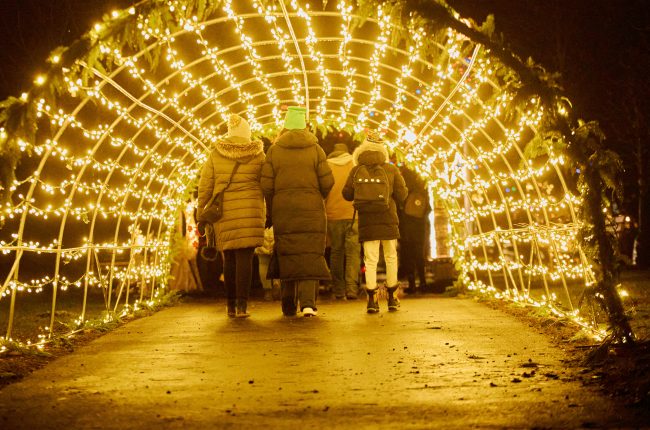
(213, 210)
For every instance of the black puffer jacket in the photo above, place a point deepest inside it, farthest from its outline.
(377, 225)
(295, 180)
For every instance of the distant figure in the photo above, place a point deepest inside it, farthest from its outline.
(270, 286)
(184, 270)
(296, 179)
(413, 223)
(342, 229)
(376, 186)
(235, 165)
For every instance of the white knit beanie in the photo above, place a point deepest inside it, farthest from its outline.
(238, 127)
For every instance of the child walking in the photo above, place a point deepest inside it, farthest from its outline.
(376, 187)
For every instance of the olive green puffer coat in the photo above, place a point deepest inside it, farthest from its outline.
(295, 179)
(242, 223)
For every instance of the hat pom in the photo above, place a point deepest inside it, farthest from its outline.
(373, 136)
(238, 127)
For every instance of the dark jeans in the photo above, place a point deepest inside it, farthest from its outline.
(412, 262)
(303, 292)
(238, 272)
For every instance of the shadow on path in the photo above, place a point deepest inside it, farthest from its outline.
(436, 363)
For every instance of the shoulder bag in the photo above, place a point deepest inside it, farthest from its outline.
(213, 210)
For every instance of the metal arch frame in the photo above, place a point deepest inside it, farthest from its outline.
(71, 195)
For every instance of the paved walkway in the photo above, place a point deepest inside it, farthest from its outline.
(437, 363)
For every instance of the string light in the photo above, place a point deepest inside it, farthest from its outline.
(128, 143)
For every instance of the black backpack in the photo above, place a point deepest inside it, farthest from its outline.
(416, 204)
(371, 189)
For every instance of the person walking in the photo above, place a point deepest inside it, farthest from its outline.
(270, 286)
(234, 167)
(342, 229)
(376, 187)
(295, 180)
(413, 230)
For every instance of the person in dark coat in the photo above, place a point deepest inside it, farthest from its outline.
(413, 229)
(378, 228)
(295, 180)
(241, 228)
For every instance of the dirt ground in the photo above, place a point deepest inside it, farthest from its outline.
(437, 363)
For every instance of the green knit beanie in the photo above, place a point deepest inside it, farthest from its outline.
(295, 118)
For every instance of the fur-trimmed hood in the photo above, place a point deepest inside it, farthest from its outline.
(370, 153)
(236, 149)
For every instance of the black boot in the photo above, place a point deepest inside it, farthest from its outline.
(241, 309)
(373, 303)
(231, 304)
(289, 307)
(393, 301)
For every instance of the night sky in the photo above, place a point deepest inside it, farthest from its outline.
(601, 48)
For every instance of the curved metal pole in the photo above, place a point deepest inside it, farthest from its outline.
(300, 56)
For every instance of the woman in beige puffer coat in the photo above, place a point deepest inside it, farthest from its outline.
(241, 227)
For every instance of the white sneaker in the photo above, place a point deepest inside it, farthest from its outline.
(309, 312)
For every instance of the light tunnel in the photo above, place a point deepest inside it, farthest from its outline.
(95, 205)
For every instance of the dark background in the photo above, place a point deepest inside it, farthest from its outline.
(600, 47)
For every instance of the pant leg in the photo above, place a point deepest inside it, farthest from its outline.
(352, 259)
(288, 297)
(306, 290)
(336, 234)
(244, 270)
(419, 264)
(390, 257)
(371, 258)
(288, 290)
(407, 257)
(230, 274)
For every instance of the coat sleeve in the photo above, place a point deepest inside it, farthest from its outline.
(267, 181)
(348, 188)
(324, 171)
(206, 186)
(399, 188)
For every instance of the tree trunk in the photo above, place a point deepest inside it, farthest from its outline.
(643, 237)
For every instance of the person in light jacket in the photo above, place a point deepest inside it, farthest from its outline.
(296, 179)
(342, 230)
(241, 227)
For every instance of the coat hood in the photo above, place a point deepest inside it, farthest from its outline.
(297, 139)
(370, 153)
(339, 158)
(236, 149)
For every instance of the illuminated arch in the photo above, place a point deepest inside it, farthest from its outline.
(134, 107)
